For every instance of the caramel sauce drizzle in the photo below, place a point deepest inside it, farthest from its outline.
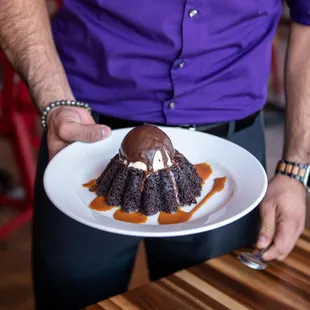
(203, 169)
(99, 204)
(181, 216)
(134, 217)
(91, 185)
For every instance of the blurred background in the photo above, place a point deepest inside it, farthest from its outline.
(19, 141)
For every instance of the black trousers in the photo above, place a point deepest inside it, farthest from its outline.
(75, 265)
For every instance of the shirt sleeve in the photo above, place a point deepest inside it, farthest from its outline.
(299, 11)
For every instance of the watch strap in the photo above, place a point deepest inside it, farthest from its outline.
(294, 170)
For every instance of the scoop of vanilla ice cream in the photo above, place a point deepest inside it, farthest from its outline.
(158, 162)
(138, 165)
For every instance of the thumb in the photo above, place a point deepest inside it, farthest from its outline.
(268, 224)
(73, 131)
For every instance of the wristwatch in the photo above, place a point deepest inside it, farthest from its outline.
(300, 172)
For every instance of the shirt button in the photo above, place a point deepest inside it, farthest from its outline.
(181, 64)
(171, 105)
(192, 13)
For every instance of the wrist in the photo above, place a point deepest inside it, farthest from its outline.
(43, 95)
(295, 157)
(296, 171)
(61, 105)
(42, 103)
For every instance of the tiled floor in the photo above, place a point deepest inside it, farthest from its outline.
(15, 284)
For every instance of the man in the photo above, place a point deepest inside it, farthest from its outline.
(176, 63)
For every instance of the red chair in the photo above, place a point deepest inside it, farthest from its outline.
(18, 123)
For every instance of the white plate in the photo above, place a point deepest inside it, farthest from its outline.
(80, 162)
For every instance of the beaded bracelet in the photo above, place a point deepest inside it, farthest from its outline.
(55, 104)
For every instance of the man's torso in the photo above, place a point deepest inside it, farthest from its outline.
(168, 61)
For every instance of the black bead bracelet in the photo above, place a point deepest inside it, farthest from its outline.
(71, 103)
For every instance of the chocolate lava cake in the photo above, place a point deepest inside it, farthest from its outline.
(148, 175)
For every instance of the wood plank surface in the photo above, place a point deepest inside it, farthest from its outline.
(224, 283)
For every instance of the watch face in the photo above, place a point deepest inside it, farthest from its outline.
(308, 182)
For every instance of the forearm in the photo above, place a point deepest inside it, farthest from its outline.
(297, 128)
(26, 39)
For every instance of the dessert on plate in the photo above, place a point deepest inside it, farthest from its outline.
(148, 175)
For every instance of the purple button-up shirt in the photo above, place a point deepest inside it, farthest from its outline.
(171, 61)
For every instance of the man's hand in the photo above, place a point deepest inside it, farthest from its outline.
(69, 124)
(283, 213)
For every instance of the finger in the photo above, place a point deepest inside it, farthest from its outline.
(268, 217)
(54, 147)
(294, 236)
(283, 241)
(71, 132)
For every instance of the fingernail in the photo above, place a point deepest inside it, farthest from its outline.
(106, 131)
(261, 240)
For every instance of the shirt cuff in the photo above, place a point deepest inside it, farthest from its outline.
(300, 11)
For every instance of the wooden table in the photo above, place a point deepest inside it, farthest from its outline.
(224, 283)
